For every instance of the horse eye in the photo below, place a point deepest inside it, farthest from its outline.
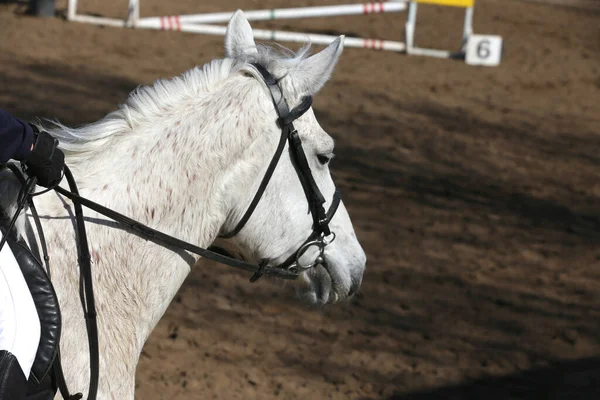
(324, 158)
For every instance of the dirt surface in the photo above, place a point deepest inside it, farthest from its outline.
(474, 191)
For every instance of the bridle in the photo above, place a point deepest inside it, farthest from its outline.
(320, 237)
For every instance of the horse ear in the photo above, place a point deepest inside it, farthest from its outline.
(239, 39)
(311, 74)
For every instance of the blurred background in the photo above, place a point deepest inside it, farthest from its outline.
(474, 191)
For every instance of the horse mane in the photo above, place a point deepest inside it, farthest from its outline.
(147, 101)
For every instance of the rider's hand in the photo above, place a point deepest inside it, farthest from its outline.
(46, 161)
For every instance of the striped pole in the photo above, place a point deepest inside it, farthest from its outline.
(289, 13)
(172, 23)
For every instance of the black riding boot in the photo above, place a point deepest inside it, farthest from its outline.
(13, 384)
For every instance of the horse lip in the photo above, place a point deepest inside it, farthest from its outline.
(334, 293)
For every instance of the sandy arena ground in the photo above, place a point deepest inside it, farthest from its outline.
(474, 191)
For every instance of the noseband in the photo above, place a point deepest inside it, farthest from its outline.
(321, 235)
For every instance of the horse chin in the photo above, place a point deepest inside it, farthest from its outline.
(317, 287)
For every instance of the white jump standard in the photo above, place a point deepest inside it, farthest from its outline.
(411, 25)
(475, 49)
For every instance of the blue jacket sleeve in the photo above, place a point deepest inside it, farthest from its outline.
(16, 138)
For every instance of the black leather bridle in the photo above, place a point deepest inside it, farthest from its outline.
(322, 234)
(320, 237)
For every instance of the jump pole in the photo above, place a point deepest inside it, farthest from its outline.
(288, 13)
(263, 34)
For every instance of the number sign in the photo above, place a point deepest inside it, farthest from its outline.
(484, 50)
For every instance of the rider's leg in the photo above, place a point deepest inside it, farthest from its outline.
(19, 322)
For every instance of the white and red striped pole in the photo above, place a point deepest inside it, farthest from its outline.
(173, 23)
(289, 13)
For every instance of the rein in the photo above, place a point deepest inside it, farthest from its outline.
(156, 236)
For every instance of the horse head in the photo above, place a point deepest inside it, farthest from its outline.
(280, 223)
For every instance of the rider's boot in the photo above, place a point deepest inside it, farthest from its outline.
(13, 384)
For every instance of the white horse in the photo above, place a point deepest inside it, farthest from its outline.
(185, 156)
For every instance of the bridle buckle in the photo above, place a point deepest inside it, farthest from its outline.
(324, 226)
(259, 272)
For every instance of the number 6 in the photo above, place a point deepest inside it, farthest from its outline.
(483, 49)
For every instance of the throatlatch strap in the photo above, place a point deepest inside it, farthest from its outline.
(261, 188)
